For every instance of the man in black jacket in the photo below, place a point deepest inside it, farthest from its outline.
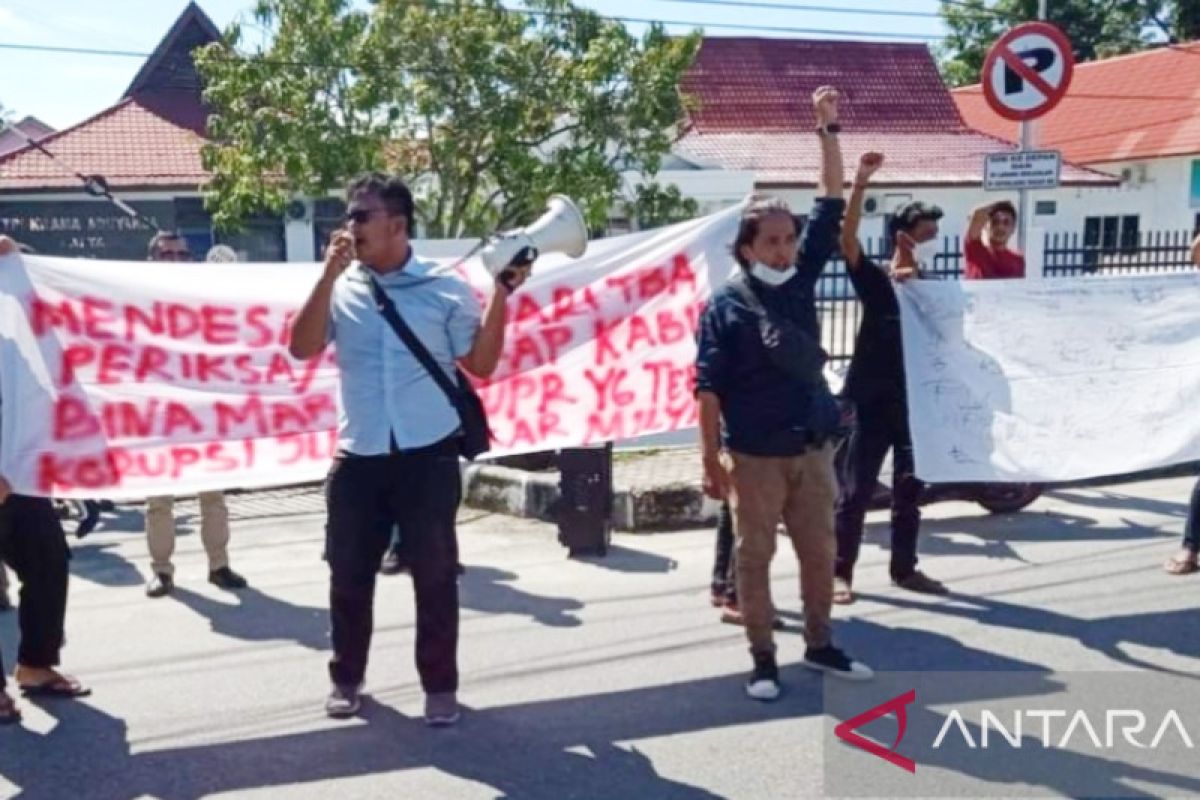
(768, 422)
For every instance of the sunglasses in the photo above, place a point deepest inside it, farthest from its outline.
(175, 255)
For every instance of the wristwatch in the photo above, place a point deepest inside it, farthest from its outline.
(832, 127)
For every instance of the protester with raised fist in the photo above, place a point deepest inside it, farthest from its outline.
(875, 385)
(769, 424)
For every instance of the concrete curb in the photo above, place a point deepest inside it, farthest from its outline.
(533, 495)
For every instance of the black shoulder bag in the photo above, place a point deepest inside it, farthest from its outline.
(476, 435)
(790, 348)
(797, 354)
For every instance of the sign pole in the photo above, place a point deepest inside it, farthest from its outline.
(1028, 142)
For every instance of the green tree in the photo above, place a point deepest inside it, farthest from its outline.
(486, 110)
(653, 206)
(1096, 28)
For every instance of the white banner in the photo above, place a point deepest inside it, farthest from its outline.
(128, 379)
(1053, 380)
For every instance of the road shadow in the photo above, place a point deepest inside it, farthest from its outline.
(1111, 500)
(493, 591)
(569, 747)
(994, 536)
(620, 558)
(1172, 631)
(254, 616)
(100, 562)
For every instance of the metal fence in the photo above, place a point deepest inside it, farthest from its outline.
(1066, 254)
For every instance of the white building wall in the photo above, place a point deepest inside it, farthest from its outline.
(1158, 192)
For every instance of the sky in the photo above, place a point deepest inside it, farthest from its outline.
(63, 89)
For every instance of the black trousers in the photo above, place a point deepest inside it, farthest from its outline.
(32, 543)
(419, 490)
(881, 425)
(1191, 533)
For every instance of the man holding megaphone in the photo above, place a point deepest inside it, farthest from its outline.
(407, 414)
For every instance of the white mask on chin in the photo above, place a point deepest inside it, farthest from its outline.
(771, 276)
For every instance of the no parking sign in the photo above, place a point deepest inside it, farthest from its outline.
(1027, 71)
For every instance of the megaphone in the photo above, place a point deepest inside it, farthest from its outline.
(560, 230)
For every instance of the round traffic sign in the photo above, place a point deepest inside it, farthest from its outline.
(1027, 71)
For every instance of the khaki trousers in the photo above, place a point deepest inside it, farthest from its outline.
(214, 531)
(801, 491)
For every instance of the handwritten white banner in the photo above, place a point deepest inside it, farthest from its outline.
(127, 379)
(1052, 380)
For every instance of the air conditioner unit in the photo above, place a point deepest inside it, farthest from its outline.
(1135, 175)
(872, 205)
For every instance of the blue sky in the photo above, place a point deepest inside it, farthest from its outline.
(63, 89)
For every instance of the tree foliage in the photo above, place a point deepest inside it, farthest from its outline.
(487, 111)
(1096, 28)
(654, 206)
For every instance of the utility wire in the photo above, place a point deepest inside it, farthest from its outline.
(95, 185)
(875, 12)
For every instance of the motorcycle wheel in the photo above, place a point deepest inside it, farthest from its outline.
(1009, 498)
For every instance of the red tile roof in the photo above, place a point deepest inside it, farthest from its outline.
(748, 84)
(1144, 105)
(128, 144)
(912, 159)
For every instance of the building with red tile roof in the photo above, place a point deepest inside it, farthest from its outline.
(147, 147)
(753, 116)
(1136, 117)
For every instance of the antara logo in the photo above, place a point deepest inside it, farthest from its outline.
(897, 705)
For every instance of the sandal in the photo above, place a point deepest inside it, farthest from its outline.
(843, 595)
(61, 686)
(9, 713)
(1184, 563)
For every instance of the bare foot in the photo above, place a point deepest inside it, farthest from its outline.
(1184, 562)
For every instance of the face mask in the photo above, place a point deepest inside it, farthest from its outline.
(924, 252)
(771, 276)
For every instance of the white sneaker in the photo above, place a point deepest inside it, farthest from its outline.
(763, 683)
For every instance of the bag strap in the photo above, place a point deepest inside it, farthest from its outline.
(746, 292)
(388, 309)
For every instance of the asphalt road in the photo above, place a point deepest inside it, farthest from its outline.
(609, 678)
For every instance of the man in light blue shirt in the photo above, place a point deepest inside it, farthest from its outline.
(398, 432)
